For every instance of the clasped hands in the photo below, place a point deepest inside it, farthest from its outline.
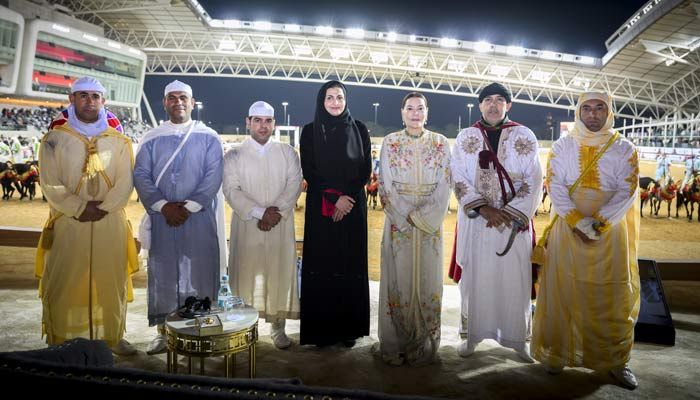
(343, 207)
(495, 217)
(175, 213)
(270, 219)
(91, 212)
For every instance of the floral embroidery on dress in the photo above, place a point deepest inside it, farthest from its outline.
(471, 144)
(523, 191)
(524, 146)
(461, 190)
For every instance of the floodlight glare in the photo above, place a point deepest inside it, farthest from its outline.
(482, 47)
(262, 25)
(355, 33)
(292, 28)
(550, 55)
(391, 36)
(324, 30)
(448, 42)
(516, 51)
(90, 37)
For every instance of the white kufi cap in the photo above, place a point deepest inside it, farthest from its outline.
(261, 109)
(177, 86)
(87, 84)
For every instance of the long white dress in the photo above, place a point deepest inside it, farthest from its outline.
(414, 181)
(263, 264)
(495, 290)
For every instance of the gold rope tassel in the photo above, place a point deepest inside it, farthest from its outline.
(93, 164)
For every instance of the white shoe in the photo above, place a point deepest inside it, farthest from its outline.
(524, 354)
(625, 376)
(279, 337)
(123, 348)
(465, 349)
(158, 345)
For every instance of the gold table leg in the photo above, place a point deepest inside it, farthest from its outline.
(189, 365)
(169, 360)
(201, 365)
(174, 362)
(251, 360)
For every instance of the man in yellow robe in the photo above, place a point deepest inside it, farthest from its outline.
(86, 253)
(588, 301)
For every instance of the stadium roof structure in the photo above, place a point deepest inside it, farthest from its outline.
(652, 67)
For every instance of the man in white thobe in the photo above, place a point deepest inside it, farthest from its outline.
(262, 181)
(498, 180)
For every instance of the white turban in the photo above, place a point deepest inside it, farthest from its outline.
(261, 109)
(177, 86)
(87, 84)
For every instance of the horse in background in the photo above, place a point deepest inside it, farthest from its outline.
(646, 184)
(689, 195)
(372, 188)
(663, 191)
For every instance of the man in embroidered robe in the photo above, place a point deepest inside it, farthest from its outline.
(497, 181)
(262, 181)
(588, 300)
(86, 254)
(691, 171)
(177, 175)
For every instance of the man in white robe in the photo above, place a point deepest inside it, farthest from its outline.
(262, 181)
(178, 176)
(498, 180)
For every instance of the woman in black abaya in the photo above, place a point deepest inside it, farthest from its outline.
(335, 159)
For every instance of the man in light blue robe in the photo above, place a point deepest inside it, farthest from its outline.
(178, 173)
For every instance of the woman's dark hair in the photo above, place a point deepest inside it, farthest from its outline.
(412, 95)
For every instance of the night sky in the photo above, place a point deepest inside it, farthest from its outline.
(578, 27)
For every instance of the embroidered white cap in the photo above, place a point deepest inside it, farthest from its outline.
(87, 84)
(261, 109)
(177, 86)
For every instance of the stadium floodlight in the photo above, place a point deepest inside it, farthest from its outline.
(379, 57)
(669, 62)
(262, 25)
(340, 52)
(324, 30)
(499, 70)
(266, 47)
(114, 45)
(61, 28)
(226, 23)
(355, 33)
(415, 61)
(483, 47)
(457, 66)
(226, 44)
(448, 42)
(412, 38)
(134, 51)
(516, 51)
(391, 36)
(294, 28)
(540, 76)
(550, 55)
(90, 37)
(586, 60)
(302, 50)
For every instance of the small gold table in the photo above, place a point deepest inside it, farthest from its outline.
(240, 332)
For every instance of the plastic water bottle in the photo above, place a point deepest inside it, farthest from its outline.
(224, 298)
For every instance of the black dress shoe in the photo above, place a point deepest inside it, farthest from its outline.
(349, 343)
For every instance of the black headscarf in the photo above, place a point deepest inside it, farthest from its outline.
(338, 154)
